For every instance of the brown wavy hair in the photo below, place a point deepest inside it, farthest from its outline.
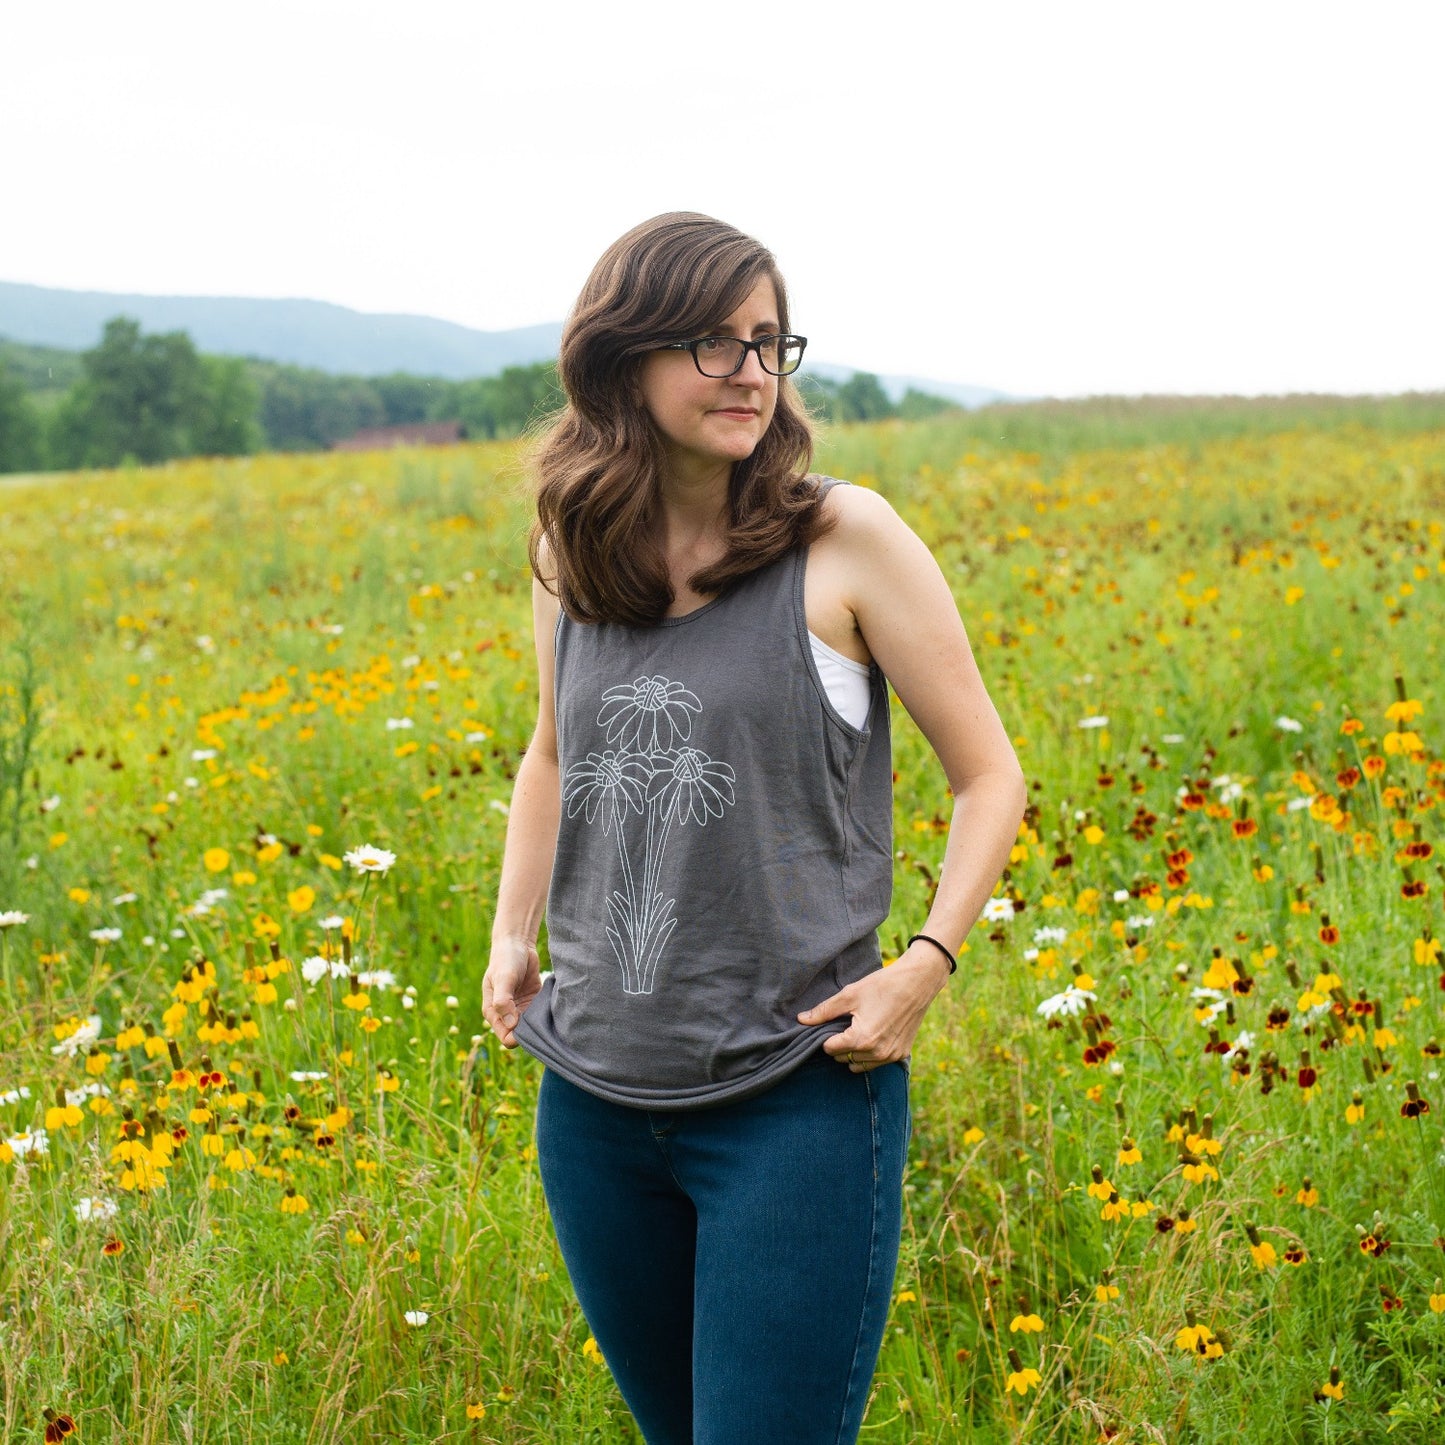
(598, 467)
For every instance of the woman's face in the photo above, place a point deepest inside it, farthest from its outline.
(708, 423)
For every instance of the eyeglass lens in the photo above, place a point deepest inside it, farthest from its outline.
(720, 356)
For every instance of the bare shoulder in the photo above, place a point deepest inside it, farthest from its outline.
(867, 535)
(858, 513)
(546, 561)
(544, 582)
(546, 606)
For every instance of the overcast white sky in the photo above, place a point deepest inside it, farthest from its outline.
(1048, 198)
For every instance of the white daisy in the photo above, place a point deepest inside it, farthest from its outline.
(998, 910)
(1050, 935)
(1072, 1001)
(31, 1142)
(12, 918)
(95, 1209)
(1288, 725)
(82, 1038)
(377, 978)
(334, 920)
(416, 1317)
(315, 968)
(307, 1076)
(393, 723)
(14, 1096)
(1121, 895)
(1094, 722)
(368, 859)
(105, 935)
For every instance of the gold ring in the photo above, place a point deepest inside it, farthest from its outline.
(850, 1056)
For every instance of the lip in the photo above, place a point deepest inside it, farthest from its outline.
(737, 411)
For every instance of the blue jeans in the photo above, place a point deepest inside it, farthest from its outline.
(735, 1263)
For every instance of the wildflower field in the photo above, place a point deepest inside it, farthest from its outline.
(1177, 1168)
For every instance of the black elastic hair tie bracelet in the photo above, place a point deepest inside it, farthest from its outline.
(924, 938)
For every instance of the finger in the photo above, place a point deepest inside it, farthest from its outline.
(504, 1006)
(504, 1024)
(831, 1008)
(839, 1045)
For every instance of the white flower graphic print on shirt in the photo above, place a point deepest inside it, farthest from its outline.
(649, 779)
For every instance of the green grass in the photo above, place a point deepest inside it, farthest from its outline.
(1192, 586)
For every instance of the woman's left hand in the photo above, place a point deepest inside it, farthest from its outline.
(887, 1007)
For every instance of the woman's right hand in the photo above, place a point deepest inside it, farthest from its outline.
(512, 980)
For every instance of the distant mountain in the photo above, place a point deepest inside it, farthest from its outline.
(332, 338)
(303, 333)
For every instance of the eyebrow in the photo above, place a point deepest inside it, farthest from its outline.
(763, 328)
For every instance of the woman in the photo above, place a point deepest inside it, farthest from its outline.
(705, 812)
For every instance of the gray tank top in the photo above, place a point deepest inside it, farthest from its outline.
(724, 856)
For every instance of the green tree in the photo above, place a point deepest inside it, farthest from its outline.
(226, 423)
(404, 397)
(491, 406)
(151, 398)
(919, 404)
(862, 398)
(20, 433)
(819, 395)
(143, 394)
(527, 392)
(303, 409)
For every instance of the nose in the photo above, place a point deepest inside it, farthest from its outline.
(750, 374)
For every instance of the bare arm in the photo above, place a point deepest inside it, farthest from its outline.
(513, 978)
(910, 623)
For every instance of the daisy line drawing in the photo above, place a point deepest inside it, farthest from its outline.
(650, 780)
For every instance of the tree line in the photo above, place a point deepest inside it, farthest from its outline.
(153, 398)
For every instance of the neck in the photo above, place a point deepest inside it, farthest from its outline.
(694, 504)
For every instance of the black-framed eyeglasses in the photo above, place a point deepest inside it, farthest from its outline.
(723, 356)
